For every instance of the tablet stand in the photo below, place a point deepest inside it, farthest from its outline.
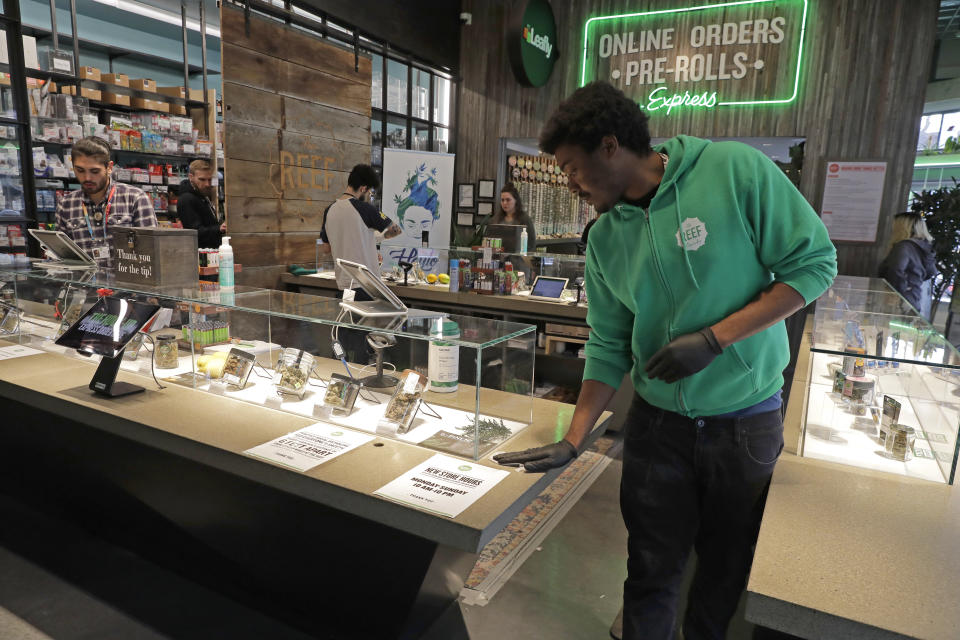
(105, 383)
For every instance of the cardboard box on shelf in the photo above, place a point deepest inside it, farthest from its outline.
(92, 94)
(143, 84)
(119, 79)
(180, 92)
(89, 73)
(116, 98)
(152, 105)
(178, 109)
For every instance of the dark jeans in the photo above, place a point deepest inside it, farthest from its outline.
(691, 483)
(353, 341)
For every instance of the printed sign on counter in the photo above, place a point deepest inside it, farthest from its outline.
(442, 485)
(17, 351)
(304, 449)
(852, 195)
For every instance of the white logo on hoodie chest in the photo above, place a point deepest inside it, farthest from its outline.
(692, 234)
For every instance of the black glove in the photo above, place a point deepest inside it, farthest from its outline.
(684, 356)
(539, 458)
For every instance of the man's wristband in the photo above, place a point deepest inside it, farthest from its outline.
(707, 333)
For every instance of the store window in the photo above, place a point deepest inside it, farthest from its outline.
(929, 132)
(412, 105)
(950, 128)
(396, 86)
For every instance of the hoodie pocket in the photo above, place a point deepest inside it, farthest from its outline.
(724, 381)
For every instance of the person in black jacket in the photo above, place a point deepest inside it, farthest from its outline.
(194, 207)
(910, 264)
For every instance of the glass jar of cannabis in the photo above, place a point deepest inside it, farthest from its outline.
(166, 352)
(899, 442)
(293, 371)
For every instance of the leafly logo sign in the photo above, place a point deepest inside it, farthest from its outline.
(692, 234)
(540, 42)
(532, 42)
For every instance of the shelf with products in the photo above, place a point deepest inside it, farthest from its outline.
(883, 386)
(111, 51)
(556, 212)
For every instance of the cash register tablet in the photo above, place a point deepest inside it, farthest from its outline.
(548, 289)
(107, 326)
(105, 329)
(385, 303)
(67, 252)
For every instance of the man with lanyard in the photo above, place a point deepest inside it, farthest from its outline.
(349, 225)
(195, 208)
(702, 250)
(101, 204)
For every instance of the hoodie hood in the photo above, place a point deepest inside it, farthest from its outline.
(683, 151)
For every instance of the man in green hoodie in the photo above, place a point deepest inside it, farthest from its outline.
(702, 250)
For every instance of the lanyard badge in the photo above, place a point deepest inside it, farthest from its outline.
(98, 216)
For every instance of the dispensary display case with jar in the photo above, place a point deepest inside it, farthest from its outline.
(884, 388)
(459, 385)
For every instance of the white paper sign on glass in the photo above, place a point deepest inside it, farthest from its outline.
(304, 449)
(443, 485)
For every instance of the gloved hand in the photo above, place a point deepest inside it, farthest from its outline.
(684, 356)
(539, 458)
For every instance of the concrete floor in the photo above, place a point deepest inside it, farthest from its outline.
(58, 582)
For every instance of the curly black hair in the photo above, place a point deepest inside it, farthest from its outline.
(363, 175)
(592, 112)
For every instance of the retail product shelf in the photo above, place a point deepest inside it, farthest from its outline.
(66, 41)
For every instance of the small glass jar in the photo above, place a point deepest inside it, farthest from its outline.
(237, 368)
(899, 442)
(166, 353)
(293, 371)
(403, 406)
(341, 394)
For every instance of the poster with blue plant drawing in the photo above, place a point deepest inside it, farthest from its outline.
(417, 194)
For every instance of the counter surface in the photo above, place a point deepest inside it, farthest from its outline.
(215, 430)
(852, 553)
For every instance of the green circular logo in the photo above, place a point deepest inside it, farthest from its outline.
(532, 43)
(465, 467)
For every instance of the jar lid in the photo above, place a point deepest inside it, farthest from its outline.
(165, 337)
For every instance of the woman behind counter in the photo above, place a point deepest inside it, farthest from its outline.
(911, 264)
(511, 212)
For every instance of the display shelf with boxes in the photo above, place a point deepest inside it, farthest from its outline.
(456, 384)
(884, 387)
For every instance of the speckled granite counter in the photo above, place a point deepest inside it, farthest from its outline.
(851, 553)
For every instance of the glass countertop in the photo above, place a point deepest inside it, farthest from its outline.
(866, 316)
(474, 332)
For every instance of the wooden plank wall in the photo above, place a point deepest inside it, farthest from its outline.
(865, 70)
(296, 120)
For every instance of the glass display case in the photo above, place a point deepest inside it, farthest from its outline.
(884, 386)
(456, 384)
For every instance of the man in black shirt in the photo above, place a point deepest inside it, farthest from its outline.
(194, 207)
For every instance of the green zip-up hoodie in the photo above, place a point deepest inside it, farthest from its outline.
(724, 224)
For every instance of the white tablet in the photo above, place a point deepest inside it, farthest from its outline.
(63, 247)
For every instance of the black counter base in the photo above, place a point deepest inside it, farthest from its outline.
(325, 572)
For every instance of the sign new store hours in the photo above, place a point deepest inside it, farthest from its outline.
(726, 54)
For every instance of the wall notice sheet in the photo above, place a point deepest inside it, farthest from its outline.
(443, 485)
(17, 351)
(852, 195)
(304, 449)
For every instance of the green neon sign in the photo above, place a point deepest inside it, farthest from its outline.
(699, 66)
